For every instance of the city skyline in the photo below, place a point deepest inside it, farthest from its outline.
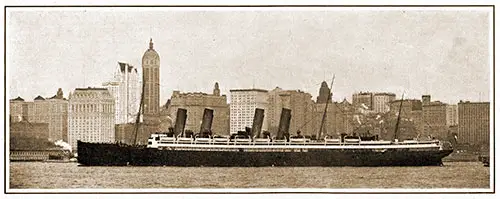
(239, 98)
(382, 47)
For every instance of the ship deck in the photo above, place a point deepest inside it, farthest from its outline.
(293, 146)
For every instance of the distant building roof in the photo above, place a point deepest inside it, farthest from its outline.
(86, 93)
(363, 93)
(112, 83)
(247, 90)
(469, 102)
(385, 93)
(90, 88)
(18, 98)
(435, 103)
(127, 66)
(345, 101)
(39, 98)
(150, 53)
(55, 97)
(58, 95)
(405, 100)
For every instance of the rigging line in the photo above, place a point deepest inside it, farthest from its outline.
(312, 118)
(139, 114)
(338, 108)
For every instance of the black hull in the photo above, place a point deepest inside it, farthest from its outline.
(93, 154)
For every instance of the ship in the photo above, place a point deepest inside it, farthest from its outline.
(254, 148)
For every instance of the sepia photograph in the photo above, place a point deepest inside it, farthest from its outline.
(249, 99)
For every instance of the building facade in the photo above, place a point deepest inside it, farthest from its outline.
(52, 111)
(38, 110)
(434, 120)
(58, 117)
(363, 99)
(195, 104)
(125, 88)
(474, 123)
(301, 106)
(451, 115)
(91, 116)
(373, 102)
(151, 84)
(243, 105)
(411, 117)
(381, 102)
(17, 109)
(337, 116)
(338, 119)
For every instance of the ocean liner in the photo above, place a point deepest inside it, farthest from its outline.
(251, 149)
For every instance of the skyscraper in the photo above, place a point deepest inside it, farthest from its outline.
(434, 118)
(363, 99)
(324, 94)
(381, 102)
(126, 91)
(91, 116)
(243, 105)
(474, 123)
(301, 105)
(151, 83)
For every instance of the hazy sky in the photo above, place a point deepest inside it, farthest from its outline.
(444, 53)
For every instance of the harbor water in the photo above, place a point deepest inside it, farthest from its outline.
(50, 175)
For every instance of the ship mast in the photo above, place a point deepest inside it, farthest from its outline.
(399, 118)
(138, 118)
(326, 109)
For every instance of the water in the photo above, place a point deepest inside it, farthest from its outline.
(42, 175)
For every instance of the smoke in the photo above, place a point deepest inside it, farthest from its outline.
(63, 144)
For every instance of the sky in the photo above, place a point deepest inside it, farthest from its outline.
(443, 52)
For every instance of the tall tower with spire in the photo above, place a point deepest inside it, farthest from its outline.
(324, 94)
(216, 89)
(151, 83)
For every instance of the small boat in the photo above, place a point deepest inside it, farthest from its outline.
(485, 159)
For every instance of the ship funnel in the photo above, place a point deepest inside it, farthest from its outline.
(258, 119)
(180, 121)
(286, 115)
(206, 124)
